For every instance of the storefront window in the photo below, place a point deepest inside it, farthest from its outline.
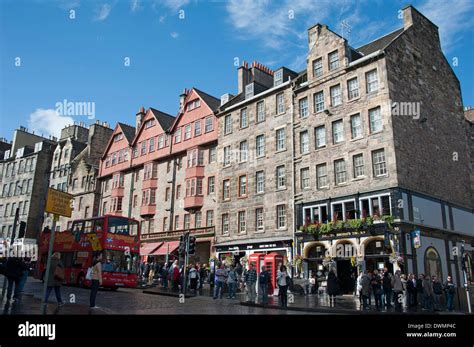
(317, 251)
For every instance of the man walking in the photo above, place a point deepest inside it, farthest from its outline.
(437, 292)
(412, 292)
(428, 293)
(387, 288)
(263, 281)
(450, 290)
(397, 285)
(250, 279)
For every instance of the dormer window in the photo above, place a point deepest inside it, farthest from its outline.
(333, 60)
(193, 104)
(149, 123)
(278, 78)
(249, 91)
(118, 137)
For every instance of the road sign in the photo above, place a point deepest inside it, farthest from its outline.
(59, 203)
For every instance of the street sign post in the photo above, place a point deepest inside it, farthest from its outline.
(59, 204)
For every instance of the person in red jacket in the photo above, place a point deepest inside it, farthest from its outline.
(176, 275)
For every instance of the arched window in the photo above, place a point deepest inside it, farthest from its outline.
(317, 251)
(377, 247)
(433, 263)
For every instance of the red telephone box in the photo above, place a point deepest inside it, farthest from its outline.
(272, 262)
(257, 259)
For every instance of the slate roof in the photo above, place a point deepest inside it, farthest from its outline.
(210, 100)
(128, 131)
(380, 43)
(165, 119)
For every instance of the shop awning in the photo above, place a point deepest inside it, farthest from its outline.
(166, 247)
(149, 247)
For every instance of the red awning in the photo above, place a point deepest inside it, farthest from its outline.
(166, 247)
(148, 248)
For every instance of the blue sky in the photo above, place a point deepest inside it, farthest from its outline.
(83, 59)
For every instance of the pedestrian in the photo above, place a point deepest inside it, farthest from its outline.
(263, 283)
(387, 288)
(419, 290)
(397, 285)
(13, 272)
(164, 275)
(450, 292)
(96, 278)
(412, 292)
(25, 271)
(332, 287)
(404, 294)
(359, 287)
(428, 294)
(175, 276)
(437, 292)
(365, 290)
(221, 279)
(232, 282)
(202, 275)
(55, 278)
(250, 279)
(283, 281)
(193, 278)
(377, 289)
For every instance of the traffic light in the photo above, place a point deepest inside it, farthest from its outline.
(192, 245)
(22, 230)
(182, 245)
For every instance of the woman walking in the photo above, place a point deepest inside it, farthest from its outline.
(96, 278)
(55, 278)
(283, 283)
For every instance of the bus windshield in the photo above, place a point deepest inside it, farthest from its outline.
(122, 226)
(118, 261)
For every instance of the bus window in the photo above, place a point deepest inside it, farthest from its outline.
(88, 226)
(77, 226)
(117, 261)
(67, 258)
(133, 228)
(99, 225)
(118, 225)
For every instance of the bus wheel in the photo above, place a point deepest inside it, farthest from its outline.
(80, 280)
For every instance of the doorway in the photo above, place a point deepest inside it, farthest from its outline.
(346, 276)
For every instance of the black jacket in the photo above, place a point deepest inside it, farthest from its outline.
(411, 287)
(419, 285)
(15, 267)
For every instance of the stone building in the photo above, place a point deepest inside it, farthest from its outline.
(4, 146)
(24, 181)
(75, 167)
(378, 131)
(255, 146)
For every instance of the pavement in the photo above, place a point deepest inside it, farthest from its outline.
(154, 299)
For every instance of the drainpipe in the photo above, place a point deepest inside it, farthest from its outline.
(173, 183)
(293, 207)
(132, 186)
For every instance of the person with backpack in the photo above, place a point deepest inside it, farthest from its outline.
(54, 278)
(450, 291)
(250, 279)
(96, 278)
(387, 288)
(232, 282)
(263, 282)
(193, 278)
(437, 292)
(283, 282)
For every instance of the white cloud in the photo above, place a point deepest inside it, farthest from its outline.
(174, 5)
(135, 5)
(103, 12)
(48, 122)
(174, 35)
(453, 18)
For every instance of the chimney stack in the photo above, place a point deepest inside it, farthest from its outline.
(139, 118)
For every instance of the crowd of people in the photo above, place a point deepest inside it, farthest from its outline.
(16, 271)
(397, 290)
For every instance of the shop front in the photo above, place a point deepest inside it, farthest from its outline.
(239, 252)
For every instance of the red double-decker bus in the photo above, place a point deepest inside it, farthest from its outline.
(118, 239)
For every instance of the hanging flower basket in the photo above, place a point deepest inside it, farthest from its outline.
(396, 258)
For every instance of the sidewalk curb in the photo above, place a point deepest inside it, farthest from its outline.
(172, 294)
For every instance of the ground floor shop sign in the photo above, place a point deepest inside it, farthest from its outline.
(262, 246)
